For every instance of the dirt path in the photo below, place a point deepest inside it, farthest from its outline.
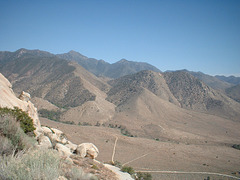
(183, 172)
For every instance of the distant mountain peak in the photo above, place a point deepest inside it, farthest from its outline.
(123, 61)
(73, 52)
(76, 54)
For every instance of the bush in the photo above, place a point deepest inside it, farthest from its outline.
(34, 165)
(143, 176)
(128, 169)
(26, 122)
(6, 147)
(12, 136)
(77, 173)
(52, 115)
(236, 146)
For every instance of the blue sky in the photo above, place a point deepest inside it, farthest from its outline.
(199, 35)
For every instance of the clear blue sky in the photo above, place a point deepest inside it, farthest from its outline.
(201, 35)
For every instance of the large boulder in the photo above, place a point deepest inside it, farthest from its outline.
(71, 146)
(87, 150)
(55, 135)
(44, 142)
(63, 150)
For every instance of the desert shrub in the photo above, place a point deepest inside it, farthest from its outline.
(52, 115)
(117, 164)
(125, 132)
(84, 124)
(13, 136)
(6, 147)
(143, 176)
(236, 146)
(77, 173)
(26, 122)
(34, 165)
(68, 122)
(128, 169)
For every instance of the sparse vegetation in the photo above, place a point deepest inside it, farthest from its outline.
(52, 115)
(84, 124)
(128, 169)
(123, 129)
(236, 146)
(13, 138)
(117, 164)
(34, 165)
(143, 176)
(26, 122)
(68, 122)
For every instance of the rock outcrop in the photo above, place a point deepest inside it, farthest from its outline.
(87, 150)
(9, 100)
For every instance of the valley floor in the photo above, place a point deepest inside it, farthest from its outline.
(178, 160)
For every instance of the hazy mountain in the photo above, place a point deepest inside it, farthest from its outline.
(102, 68)
(234, 92)
(97, 67)
(194, 94)
(144, 105)
(211, 81)
(173, 116)
(67, 84)
(230, 79)
(49, 77)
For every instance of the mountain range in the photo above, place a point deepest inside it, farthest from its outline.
(99, 90)
(182, 110)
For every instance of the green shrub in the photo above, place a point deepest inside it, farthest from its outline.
(236, 146)
(13, 136)
(52, 115)
(26, 122)
(117, 164)
(143, 176)
(128, 169)
(125, 132)
(68, 122)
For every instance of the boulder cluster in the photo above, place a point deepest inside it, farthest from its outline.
(56, 139)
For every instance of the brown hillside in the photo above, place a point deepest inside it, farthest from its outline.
(149, 116)
(195, 95)
(131, 85)
(234, 92)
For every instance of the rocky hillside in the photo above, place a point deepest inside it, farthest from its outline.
(230, 79)
(211, 81)
(234, 92)
(77, 96)
(102, 68)
(62, 83)
(51, 78)
(195, 95)
(132, 85)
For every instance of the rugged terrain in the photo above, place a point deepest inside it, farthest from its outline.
(102, 68)
(186, 124)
